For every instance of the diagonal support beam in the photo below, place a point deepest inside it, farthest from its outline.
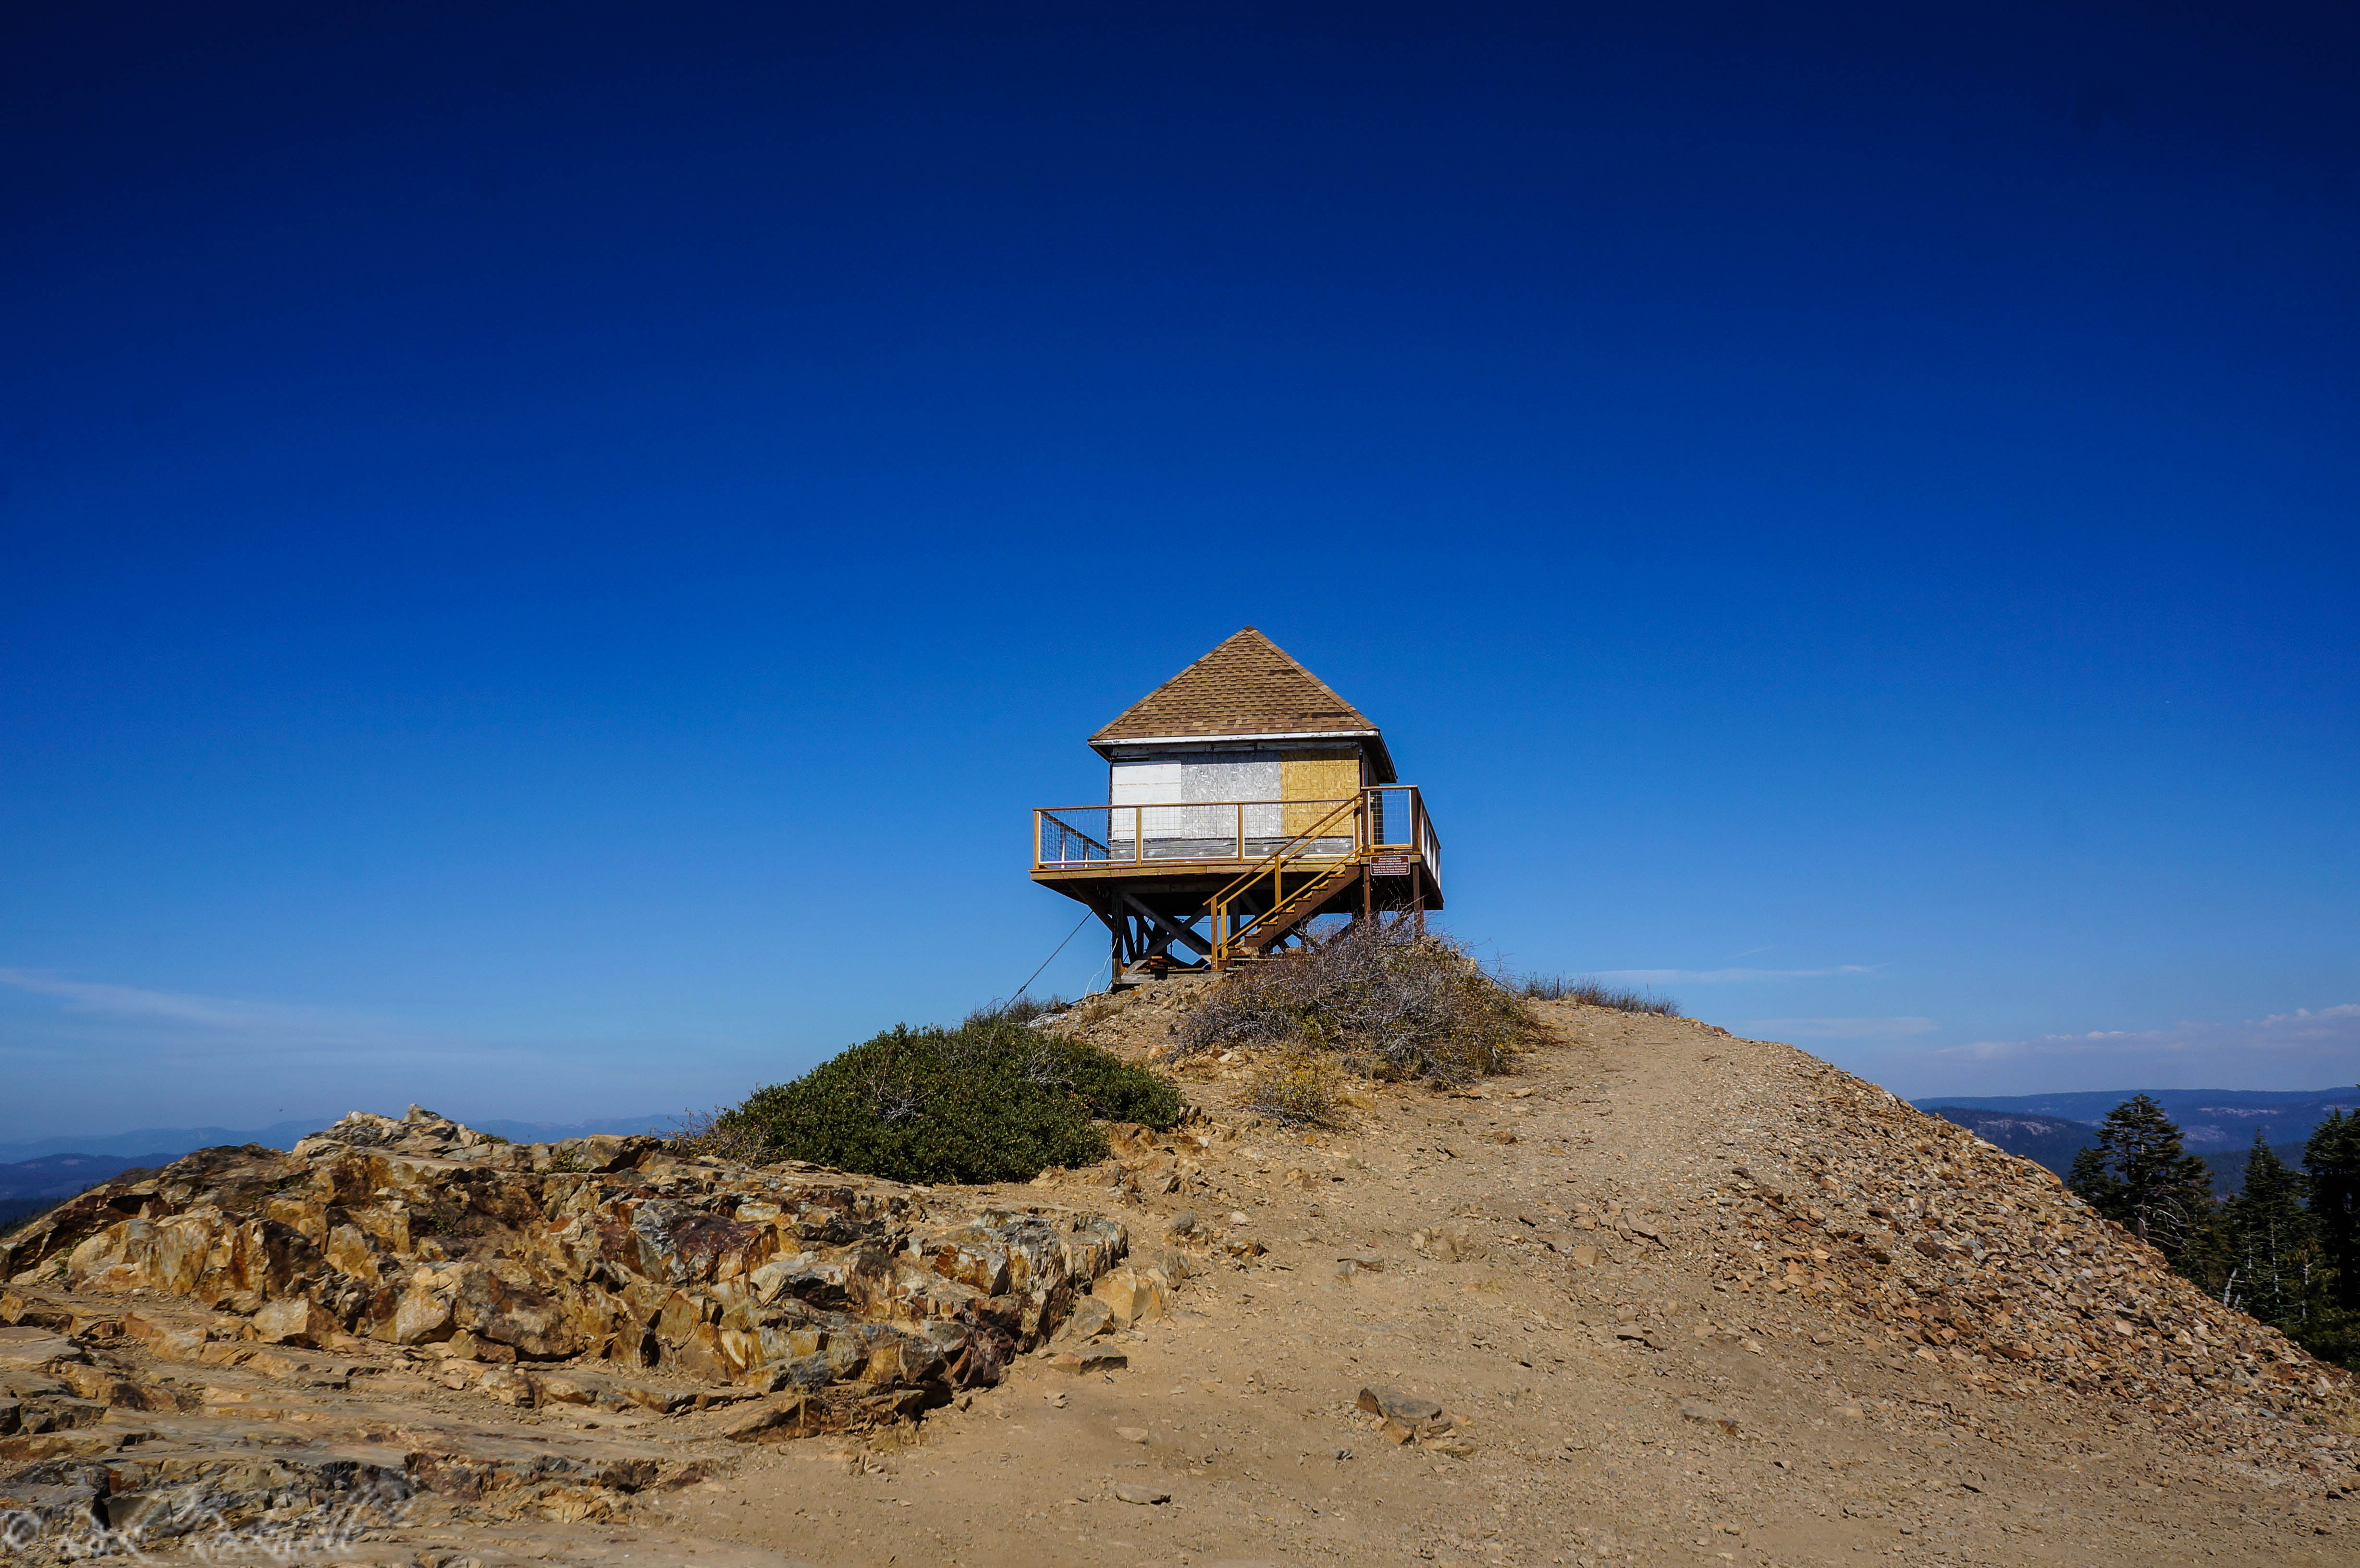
(1173, 930)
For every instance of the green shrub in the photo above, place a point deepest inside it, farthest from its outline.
(990, 1101)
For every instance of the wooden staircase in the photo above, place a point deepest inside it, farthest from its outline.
(1257, 939)
(1301, 877)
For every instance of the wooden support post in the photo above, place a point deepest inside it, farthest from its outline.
(1117, 930)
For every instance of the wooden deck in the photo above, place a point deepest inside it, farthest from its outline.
(1190, 841)
(1257, 871)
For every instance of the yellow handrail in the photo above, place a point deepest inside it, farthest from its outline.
(1227, 941)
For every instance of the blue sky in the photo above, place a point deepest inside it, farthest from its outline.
(552, 549)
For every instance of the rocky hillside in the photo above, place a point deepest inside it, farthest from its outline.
(1660, 1296)
(1987, 1263)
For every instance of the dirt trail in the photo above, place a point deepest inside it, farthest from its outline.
(1567, 1262)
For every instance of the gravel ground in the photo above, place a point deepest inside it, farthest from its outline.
(1606, 1270)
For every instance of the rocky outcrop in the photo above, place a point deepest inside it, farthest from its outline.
(510, 1317)
(604, 1252)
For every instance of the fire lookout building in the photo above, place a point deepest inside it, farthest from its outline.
(1244, 799)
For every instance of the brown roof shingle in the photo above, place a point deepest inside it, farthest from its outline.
(1248, 685)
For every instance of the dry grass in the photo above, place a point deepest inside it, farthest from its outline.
(1377, 999)
(1573, 989)
(1299, 1090)
(716, 1133)
(1024, 1011)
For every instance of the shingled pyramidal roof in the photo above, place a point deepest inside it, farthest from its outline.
(1247, 686)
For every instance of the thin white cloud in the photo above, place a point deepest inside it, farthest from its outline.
(1731, 976)
(183, 1032)
(130, 1001)
(2331, 1033)
(1843, 1029)
(180, 1032)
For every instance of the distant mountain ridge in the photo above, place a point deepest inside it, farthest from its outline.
(170, 1143)
(2053, 1140)
(29, 1186)
(2211, 1121)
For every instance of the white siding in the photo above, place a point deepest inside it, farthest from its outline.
(1146, 783)
(1187, 787)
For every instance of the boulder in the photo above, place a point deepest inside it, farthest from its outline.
(771, 1418)
(295, 1320)
(499, 1301)
(1091, 1317)
(421, 1314)
(165, 1342)
(1132, 1295)
(1403, 1415)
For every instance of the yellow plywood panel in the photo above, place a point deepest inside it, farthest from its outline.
(1315, 777)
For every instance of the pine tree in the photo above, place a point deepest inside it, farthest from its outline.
(2139, 1176)
(2095, 1183)
(2333, 1159)
(2272, 1245)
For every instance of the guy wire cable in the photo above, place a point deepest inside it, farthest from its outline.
(1051, 958)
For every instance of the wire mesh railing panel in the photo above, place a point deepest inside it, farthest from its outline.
(1392, 816)
(1071, 836)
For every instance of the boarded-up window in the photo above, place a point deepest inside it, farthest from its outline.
(1312, 783)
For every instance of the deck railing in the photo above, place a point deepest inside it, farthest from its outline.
(1387, 822)
(1396, 823)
